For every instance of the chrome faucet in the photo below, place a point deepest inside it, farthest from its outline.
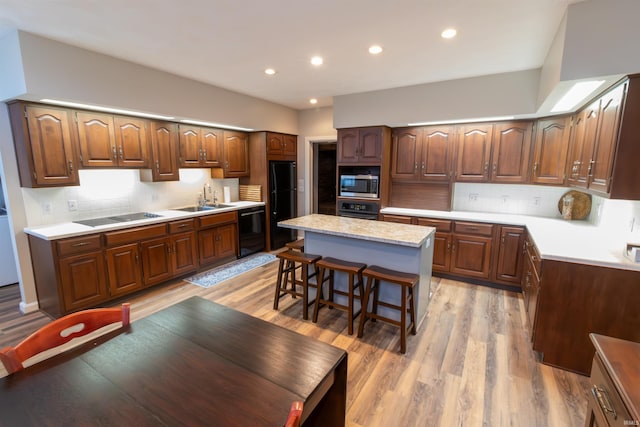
(215, 197)
(206, 192)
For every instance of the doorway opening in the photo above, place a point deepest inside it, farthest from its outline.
(324, 178)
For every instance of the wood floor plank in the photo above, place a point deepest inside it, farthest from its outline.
(470, 364)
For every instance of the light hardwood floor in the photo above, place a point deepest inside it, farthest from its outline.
(470, 364)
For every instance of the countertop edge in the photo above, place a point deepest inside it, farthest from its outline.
(169, 215)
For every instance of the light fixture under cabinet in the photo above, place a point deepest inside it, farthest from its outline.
(215, 125)
(106, 109)
(575, 95)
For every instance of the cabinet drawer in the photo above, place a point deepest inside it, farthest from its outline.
(534, 255)
(134, 234)
(401, 219)
(439, 224)
(180, 226)
(78, 245)
(474, 228)
(215, 219)
(605, 397)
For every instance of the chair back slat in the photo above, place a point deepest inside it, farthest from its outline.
(61, 331)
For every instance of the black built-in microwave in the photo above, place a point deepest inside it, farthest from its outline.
(363, 186)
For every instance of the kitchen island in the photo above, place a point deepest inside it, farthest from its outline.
(406, 248)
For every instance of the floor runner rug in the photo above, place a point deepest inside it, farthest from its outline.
(216, 275)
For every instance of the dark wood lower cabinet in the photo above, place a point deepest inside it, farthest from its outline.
(471, 255)
(123, 266)
(83, 280)
(510, 260)
(82, 272)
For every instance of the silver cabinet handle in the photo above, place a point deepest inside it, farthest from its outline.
(603, 400)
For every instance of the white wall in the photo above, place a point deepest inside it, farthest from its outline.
(11, 72)
(487, 96)
(601, 39)
(315, 125)
(60, 71)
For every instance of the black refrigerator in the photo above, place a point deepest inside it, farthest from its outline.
(282, 201)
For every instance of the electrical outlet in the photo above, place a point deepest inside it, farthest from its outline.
(72, 205)
(46, 208)
(536, 201)
(154, 197)
(504, 198)
(473, 197)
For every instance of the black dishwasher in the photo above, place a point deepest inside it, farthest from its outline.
(251, 231)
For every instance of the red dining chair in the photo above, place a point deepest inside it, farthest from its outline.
(60, 332)
(295, 414)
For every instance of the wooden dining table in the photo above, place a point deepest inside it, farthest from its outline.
(192, 363)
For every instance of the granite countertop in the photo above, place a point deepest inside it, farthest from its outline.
(71, 229)
(556, 239)
(377, 231)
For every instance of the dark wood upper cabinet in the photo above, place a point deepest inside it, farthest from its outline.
(280, 144)
(550, 151)
(510, 151)
(108, 141)
(200, 147)
(236, 154)
(422, 153)
(96, 136)
(132, 142)
(437, 153)
(601, 165)
(361, 145)
(473, 153)
(406, 151)
(164, 151)
(583, 135)
(44, 145)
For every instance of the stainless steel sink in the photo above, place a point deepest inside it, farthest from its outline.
(203, 208)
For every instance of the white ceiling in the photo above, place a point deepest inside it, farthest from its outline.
(229, 43)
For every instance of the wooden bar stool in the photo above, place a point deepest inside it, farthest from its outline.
(296, 244)
(354, 270)
(407, 282)
(291, 260)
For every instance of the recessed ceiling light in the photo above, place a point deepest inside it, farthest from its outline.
(317, 60)
(449, 33)
(375, 49)
(313, 101)
(270, 71)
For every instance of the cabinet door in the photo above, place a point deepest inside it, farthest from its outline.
(97, 139)
(347, 146)
(50, 141)
(207, 246)
(290, 145)
(226, 238)
(123, 266)
(471, 255)
(605, 146)
(183, 253)
(236, 154)
(510, 256)
(473, 152)
(510, 150)
(164, 150)
(442, 251)
(275, 144)
(550, 151)
(437, 152)
(370, 146)
(212, 147)
(190, 146)
(156, 260)
(533, 291)
(132, 142)
(406, 146)
(584, 137)
(83, 280)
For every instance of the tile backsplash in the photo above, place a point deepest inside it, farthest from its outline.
(534, 200)
(116, 191)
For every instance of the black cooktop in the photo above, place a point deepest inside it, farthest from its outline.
(116, 219)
